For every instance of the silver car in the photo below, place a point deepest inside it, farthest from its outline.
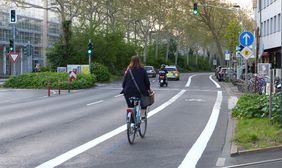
(150, 71)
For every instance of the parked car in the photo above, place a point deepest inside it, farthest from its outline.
(173, 72)
(150, 71)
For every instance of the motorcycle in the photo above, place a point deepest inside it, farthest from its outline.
(162, 78)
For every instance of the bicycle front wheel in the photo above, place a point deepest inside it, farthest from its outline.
(131, 130)
(143, 126)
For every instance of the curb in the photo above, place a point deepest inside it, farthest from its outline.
(236, 152)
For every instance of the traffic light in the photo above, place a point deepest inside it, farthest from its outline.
(90, 49)
(25, 51)
(11, 46)
(13, 16)
(195, 9)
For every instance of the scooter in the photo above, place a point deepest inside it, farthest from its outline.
(162, 78)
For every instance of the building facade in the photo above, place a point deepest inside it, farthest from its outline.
(268, 19)
(29, 29)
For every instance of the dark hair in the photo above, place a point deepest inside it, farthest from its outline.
(135, 62)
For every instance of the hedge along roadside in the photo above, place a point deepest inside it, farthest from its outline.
(40, 81)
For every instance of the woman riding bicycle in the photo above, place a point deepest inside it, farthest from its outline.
(141, 77)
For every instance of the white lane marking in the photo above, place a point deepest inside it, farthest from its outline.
(199, 146)
(254, 163)
(100, 101)
(80, 149)
(217, 85)
(43, 96)
(195, 100)
(118, 95)
(232, 101)
(220, 162)
(189, 81)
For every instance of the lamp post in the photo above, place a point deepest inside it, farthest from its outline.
(45, 33)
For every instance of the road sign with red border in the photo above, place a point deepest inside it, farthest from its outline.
(14, 56)
(72, 75)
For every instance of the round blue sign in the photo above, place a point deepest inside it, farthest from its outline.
(246, 38)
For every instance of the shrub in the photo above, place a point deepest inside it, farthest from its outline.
(257, 106)
(101, 72)
(40, 81)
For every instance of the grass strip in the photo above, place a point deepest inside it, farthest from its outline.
(257, 133)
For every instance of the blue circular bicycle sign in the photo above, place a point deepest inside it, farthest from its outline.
(246, 38)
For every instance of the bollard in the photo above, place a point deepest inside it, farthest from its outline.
(69, 81)
(59, 89)
(49, 88)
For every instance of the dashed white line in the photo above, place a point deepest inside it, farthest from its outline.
(118, 95)
(232, 101)
(220, 162)
(80, 149)
(195, 153)
(100, 101)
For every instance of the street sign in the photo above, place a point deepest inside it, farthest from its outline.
(227, 55)
(246, 38)
(14, 56)
(72, 75)
(246, 52)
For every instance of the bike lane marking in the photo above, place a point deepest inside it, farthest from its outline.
(84, 147)
(189, 81)
(195, 153)
(100, 101)
(217, 85)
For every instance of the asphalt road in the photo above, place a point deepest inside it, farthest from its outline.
(187, 127)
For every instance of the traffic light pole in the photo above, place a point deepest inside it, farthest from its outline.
(89, 56)
(14, 47)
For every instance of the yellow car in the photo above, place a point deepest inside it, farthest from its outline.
(173, 73)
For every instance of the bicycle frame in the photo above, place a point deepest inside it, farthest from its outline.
(134, 121)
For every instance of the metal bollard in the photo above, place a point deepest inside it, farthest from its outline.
(59, 89)
(69, 81)
(49, 87)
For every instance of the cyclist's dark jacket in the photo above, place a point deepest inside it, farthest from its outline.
(142, 80)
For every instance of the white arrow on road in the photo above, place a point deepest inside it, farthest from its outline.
(246, 37)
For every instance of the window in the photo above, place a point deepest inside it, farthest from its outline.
(267, 27)
(274, 26)
(261, 29)
(271, 26)
(264, 31)
(279, 22)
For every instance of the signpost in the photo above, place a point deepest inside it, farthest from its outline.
(246, 52)
(14, 56)
(246, 39)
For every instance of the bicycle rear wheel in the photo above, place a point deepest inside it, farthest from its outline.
(131, 130)
(143, 126)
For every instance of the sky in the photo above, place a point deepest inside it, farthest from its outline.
(243, 3)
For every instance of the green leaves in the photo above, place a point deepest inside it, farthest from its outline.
(40, 81)
(257, 106)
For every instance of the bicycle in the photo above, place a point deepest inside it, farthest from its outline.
(134, 121)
